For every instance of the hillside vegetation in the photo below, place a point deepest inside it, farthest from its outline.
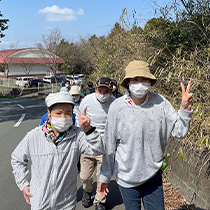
(175, 44)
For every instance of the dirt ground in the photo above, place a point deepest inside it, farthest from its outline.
(173, 199)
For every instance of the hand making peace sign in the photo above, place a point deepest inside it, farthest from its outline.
(84, 121)
(186, 97)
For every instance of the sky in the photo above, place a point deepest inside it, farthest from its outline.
(30, 19)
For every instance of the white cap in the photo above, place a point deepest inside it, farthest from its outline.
(59, 98)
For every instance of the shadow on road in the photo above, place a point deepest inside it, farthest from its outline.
(10, 111)
(113, 198)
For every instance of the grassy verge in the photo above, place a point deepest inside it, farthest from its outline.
(7, 96)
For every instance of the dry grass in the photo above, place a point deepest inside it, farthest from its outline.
(173, 198)
(196, 69)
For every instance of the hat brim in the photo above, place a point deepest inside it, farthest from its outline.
(77, 94)
(60, 102)
(103, 85)
(136, 73)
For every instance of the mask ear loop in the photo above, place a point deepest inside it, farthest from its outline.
(49, 109)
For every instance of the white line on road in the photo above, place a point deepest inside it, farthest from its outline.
(20, 120)
(20, 106)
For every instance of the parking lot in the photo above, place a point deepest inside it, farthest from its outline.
(44, 85)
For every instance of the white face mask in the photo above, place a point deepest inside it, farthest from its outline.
(76, 98)
(139, 89)
(61, 124)
(103, 98)
(67, 86)
(114, 88)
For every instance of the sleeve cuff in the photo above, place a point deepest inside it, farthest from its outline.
(104, 179)
(185, 113)
(21, 187)
(92, 129)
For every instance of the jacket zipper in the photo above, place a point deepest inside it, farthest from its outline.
(54, 178)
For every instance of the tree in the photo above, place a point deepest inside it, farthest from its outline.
(125, 42)
(6, 64)
(196, 14)
(3, 25)
(188, 23)
(50, 49)
(77, 56)
(27, 67)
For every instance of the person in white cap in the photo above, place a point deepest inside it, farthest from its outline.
(137, 130)
(53, 150)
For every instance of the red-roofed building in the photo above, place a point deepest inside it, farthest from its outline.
(28, 62)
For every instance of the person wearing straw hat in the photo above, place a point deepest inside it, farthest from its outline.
(137, 130)
(76, 93)
(53, 150)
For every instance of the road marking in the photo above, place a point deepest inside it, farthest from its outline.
(20, 106)
(20, 120)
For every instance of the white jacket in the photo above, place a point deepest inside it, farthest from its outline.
(53, 169)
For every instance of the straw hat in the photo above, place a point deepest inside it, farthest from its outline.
(138, 69)
(75, 90)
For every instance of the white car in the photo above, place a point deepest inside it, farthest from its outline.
(23, 81)
(17, 82)
(51, 79)
(75, 79)
(48, 79)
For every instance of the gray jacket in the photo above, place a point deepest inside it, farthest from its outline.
(53, 169)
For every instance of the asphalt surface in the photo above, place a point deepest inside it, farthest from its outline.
(17, 117)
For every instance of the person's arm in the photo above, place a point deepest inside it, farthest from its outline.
(19, 162)
(110, 144)
(180, 119)
(81, 108)
(90, 141)
(186, 103)
(74, 118)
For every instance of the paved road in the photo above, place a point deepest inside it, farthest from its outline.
(17, 117)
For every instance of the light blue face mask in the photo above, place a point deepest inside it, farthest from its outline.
(103, 98)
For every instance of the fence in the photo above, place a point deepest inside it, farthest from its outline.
(7, 82)
(48, 88)
(8, 87)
